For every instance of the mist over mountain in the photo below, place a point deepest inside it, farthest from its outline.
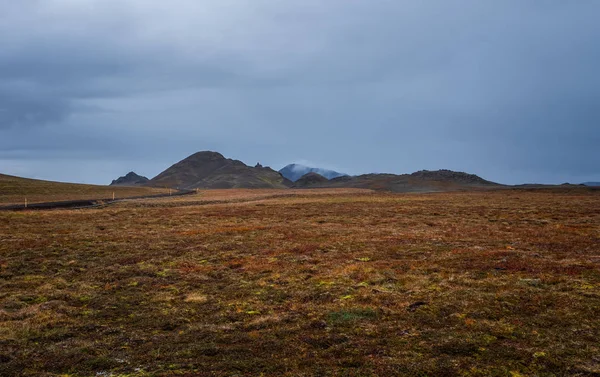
(591, 183)
(294, 172)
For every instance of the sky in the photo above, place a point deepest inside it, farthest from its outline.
(508, 90)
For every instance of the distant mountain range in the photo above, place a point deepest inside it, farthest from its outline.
(211, 170)
(294, 172)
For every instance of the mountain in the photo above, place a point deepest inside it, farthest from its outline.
(421, 181)
(591, 183)
(293, 172)
(131, 179)
(211, 170)
(309, 180)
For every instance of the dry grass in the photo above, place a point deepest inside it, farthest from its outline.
(319, 283)
(232, 196)
(14, 190)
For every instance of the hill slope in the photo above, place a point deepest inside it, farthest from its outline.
(293, 172)
(421, 181)
(309, 180)
(131, 179)
(212, 170)
(14, 190)
(451, 176)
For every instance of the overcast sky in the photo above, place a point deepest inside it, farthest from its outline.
(509, 90)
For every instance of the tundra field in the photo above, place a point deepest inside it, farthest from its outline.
(305, 283)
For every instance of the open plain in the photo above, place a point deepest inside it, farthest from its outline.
(331, 282)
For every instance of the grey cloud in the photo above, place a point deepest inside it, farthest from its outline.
(30, 111)
(507, 90)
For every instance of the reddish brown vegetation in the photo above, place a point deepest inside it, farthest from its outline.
(305, 283)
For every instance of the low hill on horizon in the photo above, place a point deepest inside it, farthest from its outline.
(294, 172)
(453, 176)
(211, 170)
(130, 179)
(309, 180)
(421, 181)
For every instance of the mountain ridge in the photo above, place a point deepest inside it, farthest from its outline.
(212, 170)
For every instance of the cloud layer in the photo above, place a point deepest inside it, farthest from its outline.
(508, 90)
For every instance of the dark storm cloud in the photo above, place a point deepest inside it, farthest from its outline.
(508, 90)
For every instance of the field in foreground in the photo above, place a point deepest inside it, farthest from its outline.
(320, 283)
(14, 190)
